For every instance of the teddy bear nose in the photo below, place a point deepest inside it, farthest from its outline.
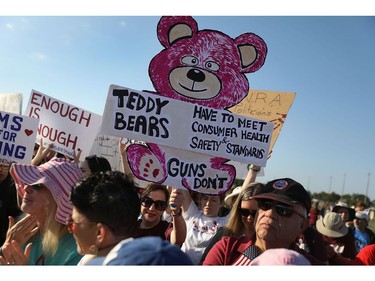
(196, 75)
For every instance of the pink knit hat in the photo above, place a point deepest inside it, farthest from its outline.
(280, 256)
(59, 175)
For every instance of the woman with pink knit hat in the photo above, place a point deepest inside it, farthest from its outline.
(41, 236)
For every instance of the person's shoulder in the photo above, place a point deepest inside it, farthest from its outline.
(95, 261)
(85, 259)
(230, 239)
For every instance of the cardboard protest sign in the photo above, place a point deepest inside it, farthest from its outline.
(173, 125)
(271, 106)
(187, 126)
(17, 138)
(67, 127)
(11, 103)
(189, 132)
(107, 146)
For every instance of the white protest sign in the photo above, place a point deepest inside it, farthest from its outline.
(186, 126)
(11, 103)
(272, 106)
(107, 146)
(67, 127)
(180, 168)
(17, 137)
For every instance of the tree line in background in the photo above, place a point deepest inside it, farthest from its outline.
(349, 199)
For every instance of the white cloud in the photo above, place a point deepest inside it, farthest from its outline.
(9, 25)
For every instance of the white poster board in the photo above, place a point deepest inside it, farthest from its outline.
(107, 146)
(67, 127)
(11, 103)
(186, 126)
(17, 138)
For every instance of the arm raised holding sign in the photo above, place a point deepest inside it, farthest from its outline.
(43, 153)
(122, 145)
(176, 199)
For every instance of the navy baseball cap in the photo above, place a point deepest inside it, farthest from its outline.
(287, 191)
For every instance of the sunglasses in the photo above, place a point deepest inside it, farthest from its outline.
(37, 186)
(71, 224)
(281, 209)
(147, 202)
(246, 212)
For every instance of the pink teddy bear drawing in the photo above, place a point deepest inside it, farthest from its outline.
(204, 67)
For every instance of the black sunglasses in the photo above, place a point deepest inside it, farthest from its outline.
(246, 212)
(147, 202)
(281, 209)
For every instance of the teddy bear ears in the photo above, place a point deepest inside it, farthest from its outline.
(252, 48)
(171, 29)
(253, 51)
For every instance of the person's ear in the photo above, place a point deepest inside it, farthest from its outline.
(103, 232)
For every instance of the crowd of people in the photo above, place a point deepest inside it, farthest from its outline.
(60, 211)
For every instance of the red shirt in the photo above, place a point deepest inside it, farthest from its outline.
(228, 251)
(366, 255)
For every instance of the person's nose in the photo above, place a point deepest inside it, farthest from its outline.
(28, 189)
(271, 212)
(152, 207)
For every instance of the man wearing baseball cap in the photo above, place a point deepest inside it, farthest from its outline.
(282, 216)
(283, 207)
(363, 235)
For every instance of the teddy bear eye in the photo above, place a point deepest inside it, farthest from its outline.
(212, 66)
(190, 60)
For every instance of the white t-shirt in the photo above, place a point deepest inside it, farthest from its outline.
(200, 229)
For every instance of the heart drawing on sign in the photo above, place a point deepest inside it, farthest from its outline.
(28, 132)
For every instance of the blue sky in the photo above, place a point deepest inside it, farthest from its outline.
(328, 138)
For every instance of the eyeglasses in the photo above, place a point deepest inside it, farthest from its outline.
(147, 202)
(70, 223)
(281, 209)
(246, 212)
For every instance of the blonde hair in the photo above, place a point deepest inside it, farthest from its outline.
(52, 230)
(235, 226)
